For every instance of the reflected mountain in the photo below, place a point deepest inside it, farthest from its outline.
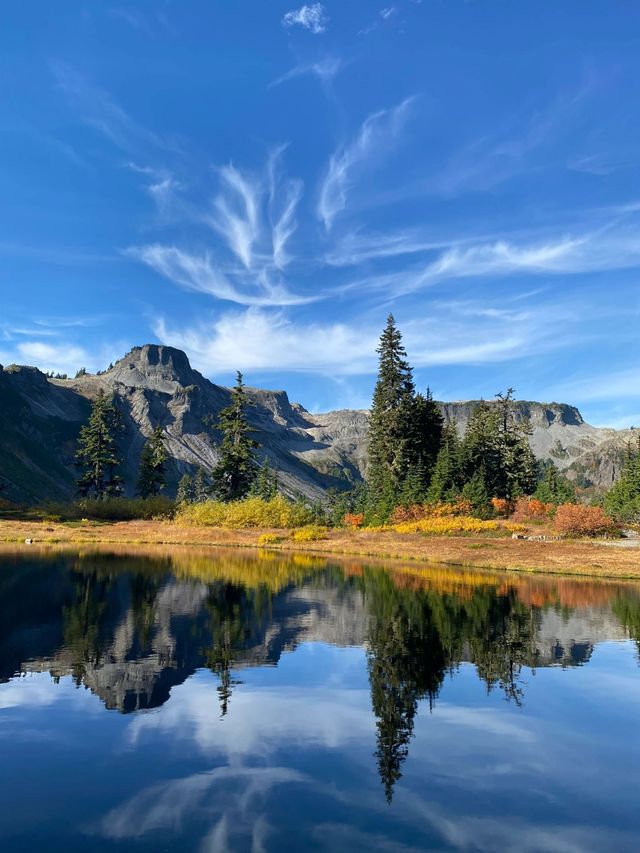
(130, 628)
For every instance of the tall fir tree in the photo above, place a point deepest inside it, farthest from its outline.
(97, 454)
(405, 430)
(236, 469)
(152, 471)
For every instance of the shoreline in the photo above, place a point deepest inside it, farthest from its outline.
(570, 558)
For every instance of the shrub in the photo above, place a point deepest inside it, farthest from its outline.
(531, 509)
(112, 509)
(444, 526)
(277, 512)
(269, 539)
(310, 533)
(352, 519)
(581, 520)
(502, 507)
(416, 512)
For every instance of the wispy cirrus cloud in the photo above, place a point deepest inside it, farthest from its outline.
(97, 108)
(324, 69)
(312, 17)
(263, 340)
(378, 131)
(252, 218)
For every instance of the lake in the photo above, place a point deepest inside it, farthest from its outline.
(204, 701)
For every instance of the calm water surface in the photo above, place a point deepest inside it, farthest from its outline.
(222, 702)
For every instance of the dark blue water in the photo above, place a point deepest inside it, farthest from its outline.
(223, 702)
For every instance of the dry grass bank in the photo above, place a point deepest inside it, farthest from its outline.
(593, 558)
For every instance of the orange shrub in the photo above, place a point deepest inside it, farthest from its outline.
(417, 512)
(581, 520)
(502, 506)
(352, 519)
(531, 509)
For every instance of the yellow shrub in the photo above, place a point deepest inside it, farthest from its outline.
(446, 525)
(269, 539)
(251, 512)
(311, 533)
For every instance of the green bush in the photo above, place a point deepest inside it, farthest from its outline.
(277, 512)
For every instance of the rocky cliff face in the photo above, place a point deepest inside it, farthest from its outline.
(40, 419)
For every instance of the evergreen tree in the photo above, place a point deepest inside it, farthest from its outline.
(553, 487)
(497, 444)
(623, 499)
(265, 485)
(429, 426)
(201, 488)
(236, 470)
(97, 454)
(185, 493)
(446, 479)
(151, 475)
(405, 431)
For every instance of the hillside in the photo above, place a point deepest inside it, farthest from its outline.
(40, 419)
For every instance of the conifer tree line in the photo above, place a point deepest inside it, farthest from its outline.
(414, 457)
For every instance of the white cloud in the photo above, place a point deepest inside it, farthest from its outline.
(312, 17)
(378, 130)
(261, 340)
(200, 273)
(324, 69)
(388, 12)
(284, 198)
(254, 219)
(236, 213)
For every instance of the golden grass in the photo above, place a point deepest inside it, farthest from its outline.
(480, 551)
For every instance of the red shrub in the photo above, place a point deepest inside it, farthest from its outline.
(581, 520)
(352, 519)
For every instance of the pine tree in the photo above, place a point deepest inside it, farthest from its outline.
(498, 445)
(265, 484)
(97, 454)
(404, 430)
(185, 493)
(151, 475)
(236, 470)
(201, 488)
(429, 426)
(446, 478)
(622, 501)
(553, 487)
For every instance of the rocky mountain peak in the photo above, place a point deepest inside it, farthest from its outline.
(153, 366)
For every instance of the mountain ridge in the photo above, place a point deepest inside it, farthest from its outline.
(40, 418)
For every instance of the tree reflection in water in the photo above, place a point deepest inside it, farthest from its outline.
(130, 628)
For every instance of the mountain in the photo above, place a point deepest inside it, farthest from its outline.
(40, 418)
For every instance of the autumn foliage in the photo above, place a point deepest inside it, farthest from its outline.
(417, 512)
(353, 519)
(581, 520)
(531, 509)
(502, 507)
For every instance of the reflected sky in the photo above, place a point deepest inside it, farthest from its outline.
(339, 708)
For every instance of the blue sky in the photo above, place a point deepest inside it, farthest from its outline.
(260, 182)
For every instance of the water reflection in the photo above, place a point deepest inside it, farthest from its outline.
(130, 629)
